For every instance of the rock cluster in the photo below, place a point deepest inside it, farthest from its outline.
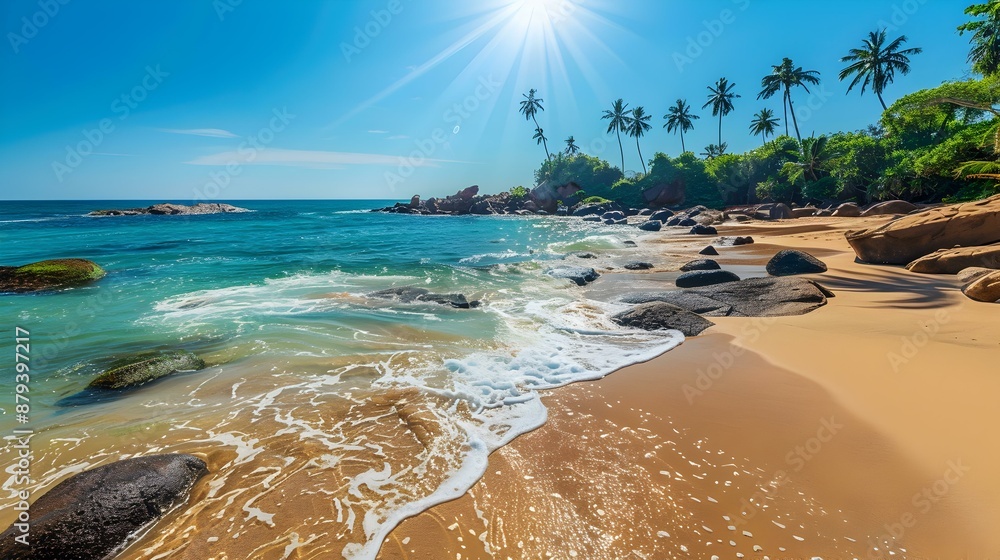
(167, 209)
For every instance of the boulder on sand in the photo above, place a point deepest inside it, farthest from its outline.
(703, 230)
(890, 207)
(638, 265)
(700, 264)
(789, 262)
(847, 210)
(49, 275)
(708, 251)
(581, 276)
(753, 297)
(969, 275)
(657, 315)
(651, 225)
(143, 368)
(697, 278)
(951, 261)
(910, 237)
(984, 288)
(411, 294)
(93, 515)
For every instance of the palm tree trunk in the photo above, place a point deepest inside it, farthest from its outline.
(545, 144)
(621, 150)
(643, 162)
(784, 103)
(795, 121)
(683, 149)
(720, 129)
(882, 101)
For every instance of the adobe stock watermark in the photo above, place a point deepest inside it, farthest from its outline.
(923, 501)
(901, 14)
(796, 459)
(122, 106)
(225, 7)
(33, 24)
(910, 346)
(456, 115)
(246, 152)
(713, 29)
(722, 362)
(365, 34)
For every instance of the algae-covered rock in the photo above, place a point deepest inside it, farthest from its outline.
(49, 275)
(143, 368)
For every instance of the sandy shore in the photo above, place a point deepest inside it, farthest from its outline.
(826, 434)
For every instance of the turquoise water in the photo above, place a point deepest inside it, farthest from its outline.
(390, 407)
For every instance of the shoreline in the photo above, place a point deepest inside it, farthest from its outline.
(905, 462)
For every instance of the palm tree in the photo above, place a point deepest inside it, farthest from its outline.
(571, 147)
(679, 118)
(714, 150)
(877, 63)
(541, 139)
(763, 124)
(638, 124)
(814, 158)
(783, 77)
(618, 124)
(529, 107)
(720, 99)
(985, 53)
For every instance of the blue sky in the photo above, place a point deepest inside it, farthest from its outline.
(232, 99)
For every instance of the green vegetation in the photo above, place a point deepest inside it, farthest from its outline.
(49, 275)
(936, 144)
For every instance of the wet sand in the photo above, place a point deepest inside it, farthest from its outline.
(865, 427)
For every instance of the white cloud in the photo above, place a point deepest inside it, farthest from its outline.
(312, 158)
(209, 132)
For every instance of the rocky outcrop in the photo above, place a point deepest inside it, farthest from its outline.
(910, 237)
(951, 261)
(142, 368)
(658, 315)
(95, 514)
(700, 264)
(790, 262)
(753, 297)
(167, 209)
(49, 275)
(847, 210)
(697, 278)
(543, 200)
(579, 275)
(985, 288)
(889, 207)
(412, 294)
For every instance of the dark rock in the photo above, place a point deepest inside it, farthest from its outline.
(632, 212)
(629, 243)
(780, 212)
(703, 230)
(651, 225)
(665, 194)
(658, 315)
(589, 210)
(708, 251)
(592, 219)
(166, 209)
(684, 299)
(614, 215)
(646, 212)
(675, 221)
(411, 294)
(49, 275)
(585, 255)
(661, 215)
(790, 262)
(638, 265)
(910, 237)
(753, 297)
(95, 514)
(701, 264)
(698, 278)
(562, 211)
(415, 201)
(143, 368)
(578, 274)
(687, 222)
(743, 241)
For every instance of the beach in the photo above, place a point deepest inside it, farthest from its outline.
(825, 434)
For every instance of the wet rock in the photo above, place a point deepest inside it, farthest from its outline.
(589, 210)
(95, 514)
(614, 215)
(49, 275)
(698, 278)
(142, 368)
(658, 315)
(411, 294)
(790, 262)
(684, 299)
(701, 264)
(581, 276)
(592, 219)
(638, 265)
(629, 243)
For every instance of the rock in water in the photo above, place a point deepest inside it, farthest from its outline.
(708, 251)
(984, 288)
(951, 261)
(96, 513)
(411, 294)
(658, 315)
(167, 209)
(578, 274)
(143, 368)
(790, 262)
(49, 275)
(699, 278)
(700, 264)
(910, 237)
(638, 265)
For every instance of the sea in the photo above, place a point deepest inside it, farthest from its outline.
(326, 416)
